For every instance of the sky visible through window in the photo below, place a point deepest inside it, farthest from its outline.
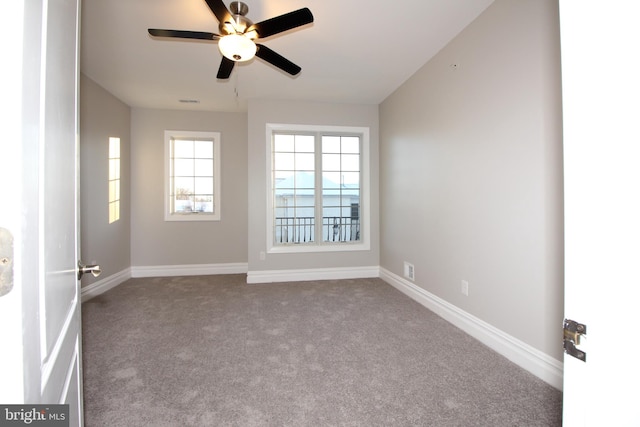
(340, 157)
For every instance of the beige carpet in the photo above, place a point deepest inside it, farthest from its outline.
(214, 351)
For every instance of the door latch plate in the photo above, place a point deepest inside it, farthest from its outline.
(572, 332)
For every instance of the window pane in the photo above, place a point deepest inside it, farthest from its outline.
(284, 161)
(351, 179)
(328, 194)
(114, 168)
(184, 204)
(203, 167)
(305, 143)
(331, 162)
(183, 167)
(284, 179)
(305, 211)
(203, 204)
(182, 148)
(340, 229)
(305, 161)
(331, 179)
(280, 176)
(350, 162)
(350, 144)
(203, 186)
(203, 149)
(331, 212)
(283, 143)
(184, 187)
(330, 144)
(348, 201)
(113, 191)
(294, 230)
(304, 180)
(281, 212)
(283, 196)
(114, 147)
(114, 212)
(331, 203)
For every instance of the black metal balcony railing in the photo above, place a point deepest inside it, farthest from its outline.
(302, 229)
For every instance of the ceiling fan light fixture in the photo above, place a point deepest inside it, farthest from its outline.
(237, 47)
(237, 35)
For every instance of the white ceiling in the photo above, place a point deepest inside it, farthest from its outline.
(354, 51)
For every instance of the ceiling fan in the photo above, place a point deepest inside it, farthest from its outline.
(236, 40)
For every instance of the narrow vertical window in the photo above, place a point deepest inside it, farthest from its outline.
(114, 179)
(193, 176)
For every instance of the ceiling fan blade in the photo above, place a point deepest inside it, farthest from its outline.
(276, 59)
(200, 35)
(220, 11)
(226, 66)
(282, 23)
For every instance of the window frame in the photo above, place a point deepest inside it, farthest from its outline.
(169, 136)
(364, 244)
(114, 180)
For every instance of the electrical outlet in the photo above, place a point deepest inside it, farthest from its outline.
(464, 288)
(409, 271)
(262, 256)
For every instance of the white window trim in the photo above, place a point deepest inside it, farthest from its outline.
(176, 134)
(116, 201)
(365, 212)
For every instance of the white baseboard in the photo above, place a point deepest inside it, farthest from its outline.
(103, 285)
(538, 363)
(270, 276)
(188, 270)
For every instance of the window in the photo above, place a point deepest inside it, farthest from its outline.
(319, 188)
(114, 179)
(192, 182)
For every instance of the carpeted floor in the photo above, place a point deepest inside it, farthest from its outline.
(214, 351)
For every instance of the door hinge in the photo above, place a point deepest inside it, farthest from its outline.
(572, 333)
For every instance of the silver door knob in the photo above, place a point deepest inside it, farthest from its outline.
(93, 269)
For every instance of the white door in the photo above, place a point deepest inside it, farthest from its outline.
(601, 108)
(40, 165)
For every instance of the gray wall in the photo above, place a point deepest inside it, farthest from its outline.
(262, 112)
(103, 116)
(471, 173)
(155, 242)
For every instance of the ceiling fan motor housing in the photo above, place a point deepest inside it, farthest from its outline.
(238, 8)
(238, 11)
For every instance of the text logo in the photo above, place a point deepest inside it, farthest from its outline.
(34, 415)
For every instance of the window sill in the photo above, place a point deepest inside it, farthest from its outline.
(191, 217)
(310, 248)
